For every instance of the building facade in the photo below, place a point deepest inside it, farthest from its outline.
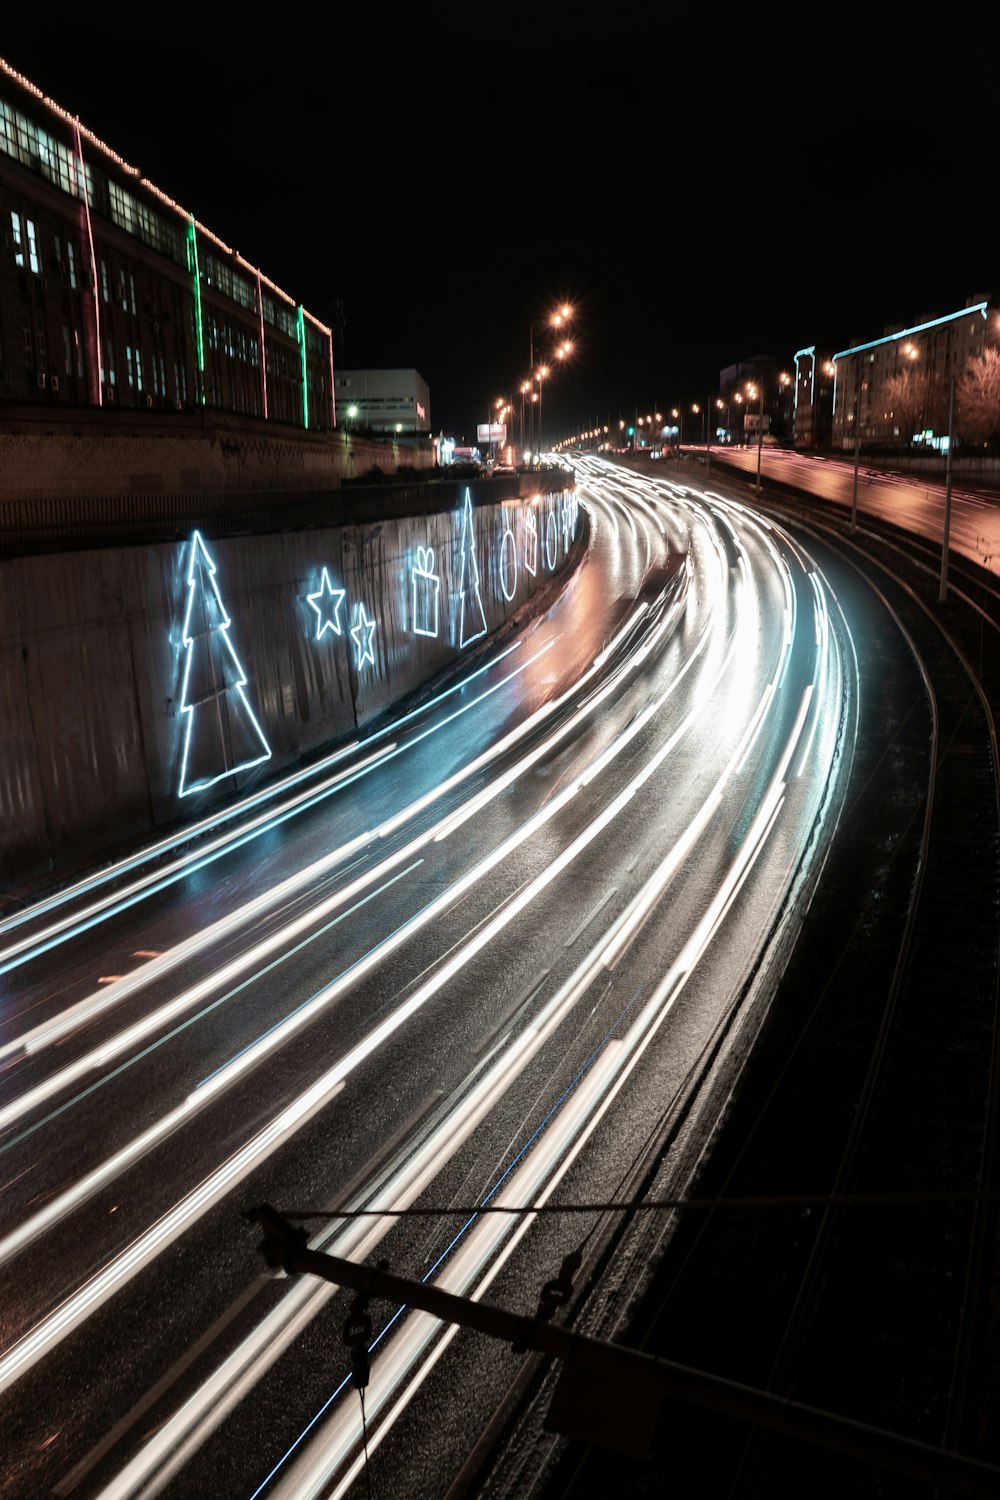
(812, 418)
(113, 295)
(895, 389)
(397, 401)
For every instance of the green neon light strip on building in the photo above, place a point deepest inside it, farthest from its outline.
(302, 348)
(193, 268)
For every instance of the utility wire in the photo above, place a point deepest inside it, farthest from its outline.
(660, 1205)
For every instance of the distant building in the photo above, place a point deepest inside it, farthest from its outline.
(397, 401)
(742, 413)
(894, 389)
(812, 417)
(112, 295)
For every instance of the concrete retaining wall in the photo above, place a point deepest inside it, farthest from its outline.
(84, 453)
(93, 658)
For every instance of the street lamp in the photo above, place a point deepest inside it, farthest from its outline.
(557, 319)
(759, 392)
(525, 389)
(943, 590)
(540, 375)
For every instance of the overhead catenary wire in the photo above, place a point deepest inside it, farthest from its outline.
(657, 1205)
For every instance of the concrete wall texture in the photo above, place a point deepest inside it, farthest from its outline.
(89, 453)
(101, 689)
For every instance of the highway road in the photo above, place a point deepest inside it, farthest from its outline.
(470, 960)
(912, 502)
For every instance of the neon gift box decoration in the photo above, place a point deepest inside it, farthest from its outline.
(426, 593)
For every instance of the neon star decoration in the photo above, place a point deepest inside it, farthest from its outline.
(508, 563)
(362, 631)
(471, 615)
(221, 733)
(426, 593)
(531, 539)
(327, 602)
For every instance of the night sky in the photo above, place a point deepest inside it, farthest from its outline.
(701, 191)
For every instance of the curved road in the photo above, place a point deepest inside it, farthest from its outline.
(465, 961)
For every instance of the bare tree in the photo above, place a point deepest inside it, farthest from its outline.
(977, 397)
(905, 396)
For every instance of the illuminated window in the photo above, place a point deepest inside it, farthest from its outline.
(33, 260)
(15, 224)
(105, 286)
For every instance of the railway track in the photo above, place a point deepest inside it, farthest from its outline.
(862, 1278)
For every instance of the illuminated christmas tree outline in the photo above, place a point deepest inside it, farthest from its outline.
(207, 569)
(469, 550)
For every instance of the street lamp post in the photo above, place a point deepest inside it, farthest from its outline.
(943, 591)
(760, 429)
(540, 375)
(554, 320)
(857, 451)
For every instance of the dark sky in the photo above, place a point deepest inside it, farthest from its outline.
(701, 191)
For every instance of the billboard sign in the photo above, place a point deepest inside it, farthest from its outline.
(492, 432)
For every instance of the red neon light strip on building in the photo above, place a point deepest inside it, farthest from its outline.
(263, 354)
(95, 372)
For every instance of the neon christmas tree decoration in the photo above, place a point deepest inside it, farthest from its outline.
(221, 733)
(471, 615)
(508, 564)
(531, 539)
(362, 631)
(426, 593)
(327, 602)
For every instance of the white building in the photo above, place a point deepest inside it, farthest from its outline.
(397, 401)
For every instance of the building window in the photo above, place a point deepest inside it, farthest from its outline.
(105, 284)
(33, 260)
(71, 258)
(15, 224)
